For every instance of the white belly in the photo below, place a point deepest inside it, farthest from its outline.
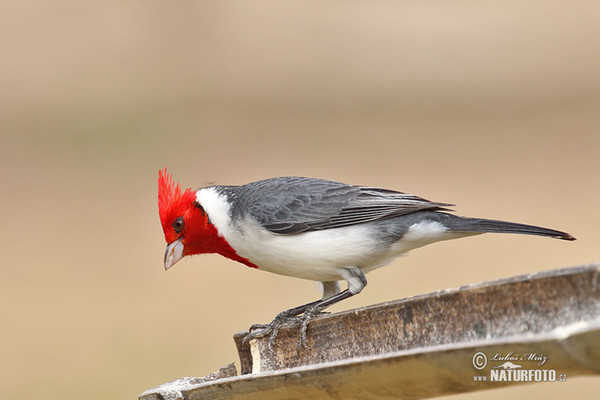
(316, 255)
(319, 255)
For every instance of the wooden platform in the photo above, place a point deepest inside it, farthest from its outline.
(538, 327)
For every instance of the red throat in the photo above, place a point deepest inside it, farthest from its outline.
(202, 237)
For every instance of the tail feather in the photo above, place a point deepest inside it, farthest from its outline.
(462, 224)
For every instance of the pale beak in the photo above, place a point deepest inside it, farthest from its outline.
(173, 253)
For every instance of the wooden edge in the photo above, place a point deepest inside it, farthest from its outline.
(173, 390)
(421, 373)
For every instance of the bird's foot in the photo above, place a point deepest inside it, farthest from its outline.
(285, 319)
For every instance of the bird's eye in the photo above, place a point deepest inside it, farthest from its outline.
(178, 224)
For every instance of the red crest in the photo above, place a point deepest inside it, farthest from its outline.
(172, 202)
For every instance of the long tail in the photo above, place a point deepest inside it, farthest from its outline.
(478, 225)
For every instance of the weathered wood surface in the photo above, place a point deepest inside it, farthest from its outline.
(173, 390)
(522, 305)
(426, 346)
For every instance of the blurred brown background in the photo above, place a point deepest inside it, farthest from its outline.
(494, 106)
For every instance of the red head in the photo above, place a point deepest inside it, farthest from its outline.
(186, 225)
(184, 222)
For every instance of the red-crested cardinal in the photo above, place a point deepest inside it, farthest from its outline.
(313, 229)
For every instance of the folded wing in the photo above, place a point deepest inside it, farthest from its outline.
(292, 205)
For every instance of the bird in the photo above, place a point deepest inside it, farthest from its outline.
(310, 228)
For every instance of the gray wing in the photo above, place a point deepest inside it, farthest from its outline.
(294, 204)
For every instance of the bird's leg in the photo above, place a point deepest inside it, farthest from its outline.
(315, 310)
(356, 282)
(288, 317)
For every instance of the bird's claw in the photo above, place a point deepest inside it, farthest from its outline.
(286, 320)
(257, 331)
(304, 320)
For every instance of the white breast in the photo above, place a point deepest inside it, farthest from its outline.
(315, 255)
